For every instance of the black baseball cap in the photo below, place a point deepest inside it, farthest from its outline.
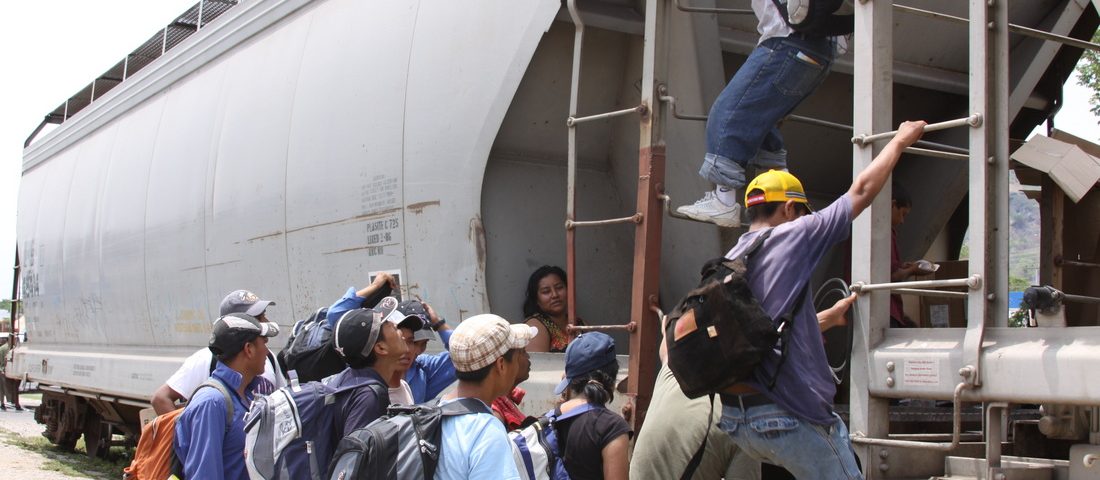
(232, 331)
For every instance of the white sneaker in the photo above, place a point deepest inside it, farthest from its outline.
(711, 209)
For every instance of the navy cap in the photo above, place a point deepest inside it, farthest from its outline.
(588, 352)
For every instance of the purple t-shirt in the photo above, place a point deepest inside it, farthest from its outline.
(777, 272)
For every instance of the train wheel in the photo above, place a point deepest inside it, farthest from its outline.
(97, 436)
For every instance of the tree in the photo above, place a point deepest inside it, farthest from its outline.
(1088, 75)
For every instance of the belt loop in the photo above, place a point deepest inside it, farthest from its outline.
(741, 400)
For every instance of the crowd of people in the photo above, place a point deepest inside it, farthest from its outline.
(788, 421)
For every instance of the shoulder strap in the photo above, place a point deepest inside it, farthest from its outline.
(463, 406)
(217, 385)
(555, 415)
(785, 326)
(756, 244)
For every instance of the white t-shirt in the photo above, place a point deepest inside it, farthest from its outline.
(771, 22)
(402, 395)
(196, 369)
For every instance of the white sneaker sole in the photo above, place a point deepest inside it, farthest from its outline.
(720, 221)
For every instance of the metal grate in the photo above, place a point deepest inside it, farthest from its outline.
(194, 19)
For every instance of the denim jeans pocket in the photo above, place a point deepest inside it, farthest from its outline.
(774, 426)
(800, 73)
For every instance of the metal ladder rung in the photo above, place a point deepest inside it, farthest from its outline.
(636, 219)
(974, 121)
(573, 121)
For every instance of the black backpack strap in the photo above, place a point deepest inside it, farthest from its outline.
(756, 244)
(697, 458)
(785, 326)
(464, 406)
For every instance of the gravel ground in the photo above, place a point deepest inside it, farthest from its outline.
(17, 462)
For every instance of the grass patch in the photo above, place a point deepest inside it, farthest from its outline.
(73, 464)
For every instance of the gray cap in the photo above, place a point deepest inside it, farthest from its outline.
(232, 331)
(426, 334)
(244, 301)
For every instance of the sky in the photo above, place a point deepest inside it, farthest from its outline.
(50, 49)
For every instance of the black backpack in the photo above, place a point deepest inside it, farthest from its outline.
(310, 353)
(405, 443)
(718, 334)
(816, 18)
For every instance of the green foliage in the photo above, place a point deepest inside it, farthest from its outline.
(1018, 318)
(1088, 71)
(1017, 284)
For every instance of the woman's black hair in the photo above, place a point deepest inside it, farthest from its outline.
(598, 386)
(531, 297)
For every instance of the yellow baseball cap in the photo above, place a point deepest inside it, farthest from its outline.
(777, 185)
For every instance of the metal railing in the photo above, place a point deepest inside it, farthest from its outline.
(972, 282)
(1012, 27)
(973, 121)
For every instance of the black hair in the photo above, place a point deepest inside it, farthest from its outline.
(598, 386)
(479, 375)
(224, 358)
(900, 196)
(356, 361)
(531, 298)
(765, 210)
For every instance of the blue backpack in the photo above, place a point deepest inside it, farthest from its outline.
(536, 448)
(289, 435)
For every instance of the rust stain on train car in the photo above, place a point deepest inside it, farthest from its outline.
(419, 207)
(353, 249)
(356, 218)
(261, 237)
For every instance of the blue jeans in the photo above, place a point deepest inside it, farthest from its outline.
(771, 434)
(742, 128)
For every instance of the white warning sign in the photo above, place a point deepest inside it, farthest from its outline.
(923, 372)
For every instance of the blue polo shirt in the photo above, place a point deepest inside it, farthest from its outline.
(360, 406)
(429, 375)
(203, 444)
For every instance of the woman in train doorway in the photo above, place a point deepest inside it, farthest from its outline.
(546, 307)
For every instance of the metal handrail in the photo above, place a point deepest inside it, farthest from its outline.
(636, 218)
(972, 282)
(667, 201)
(1012, 27)
(629, 327)
(573, 121)
(921, 147)
(931, 293)
(1079, 298)
(733, 11)
(671, 101)
(928, 152)
(973, 121)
